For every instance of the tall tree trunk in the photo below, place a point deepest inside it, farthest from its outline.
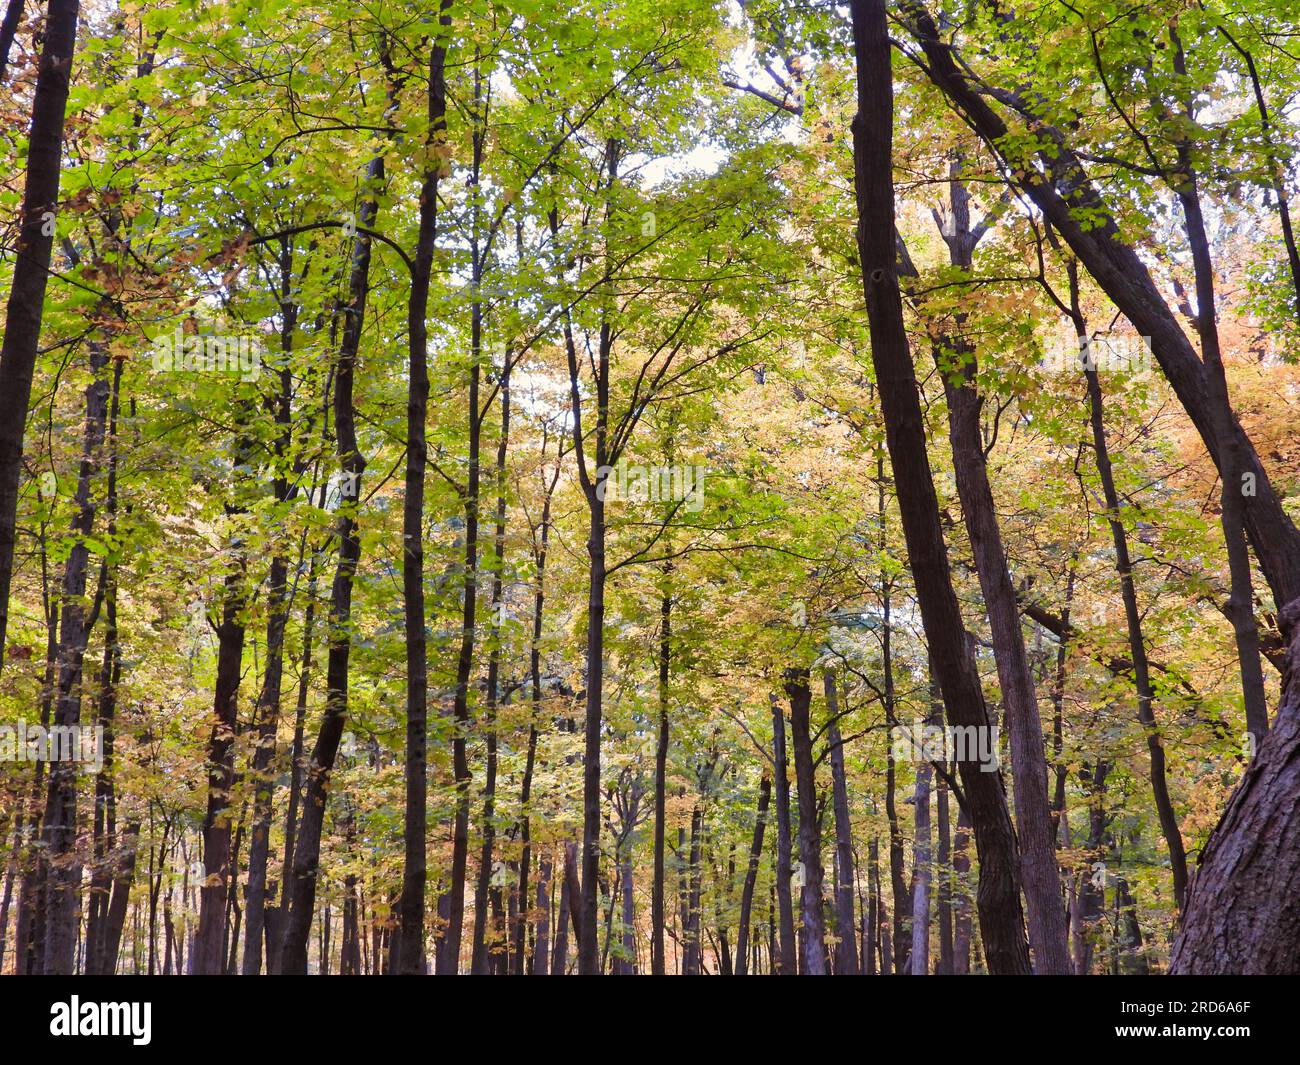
(658, 913)
(535, 694)
(957, 362)
(208, 957)
(846, 952)
(299, 891)
(1001, 918)
(62, 869)
(110, 676)
(1235, 466)
(268, 700)
(873, 917)
(787, 959)
(408, 939)
(943, 867)
(810, 844)
(922, 873)
(1132, 616)
(751, 875)
(26, 305)
(541, 959)
(479, 962)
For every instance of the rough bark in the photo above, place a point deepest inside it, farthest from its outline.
(1241, 915)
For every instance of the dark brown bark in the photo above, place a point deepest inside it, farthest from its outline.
(408, 939)
(61, 868)
(8, 28)
(479, 957)
(814, 942)
(208, 958)
(787, 959)
(542, 533)
(846, 947)
(658, 912)
(26, 305)
(1241, 915)
(1001, 919)
(106, 860)
(267, 714)
(299, 889)
(751, 875)
(956, 359)
(1132, 616)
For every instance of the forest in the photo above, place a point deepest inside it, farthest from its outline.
(649, 487)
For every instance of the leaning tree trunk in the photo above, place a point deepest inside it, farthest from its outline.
(1038, 868)
(1070, 201)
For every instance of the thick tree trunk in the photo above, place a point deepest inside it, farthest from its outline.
(1241, 915)
(1001, 918)
(956, 359)
(208, 956)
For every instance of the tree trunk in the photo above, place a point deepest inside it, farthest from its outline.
(1241, 915)
(1001, 917)
(787, 961)
(408, 939)
(846, 952)
(62, 870)
(1132, 616)
(658, 914)
(814, 941)
(1064, 193)
(751, 875)
(23, 313)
